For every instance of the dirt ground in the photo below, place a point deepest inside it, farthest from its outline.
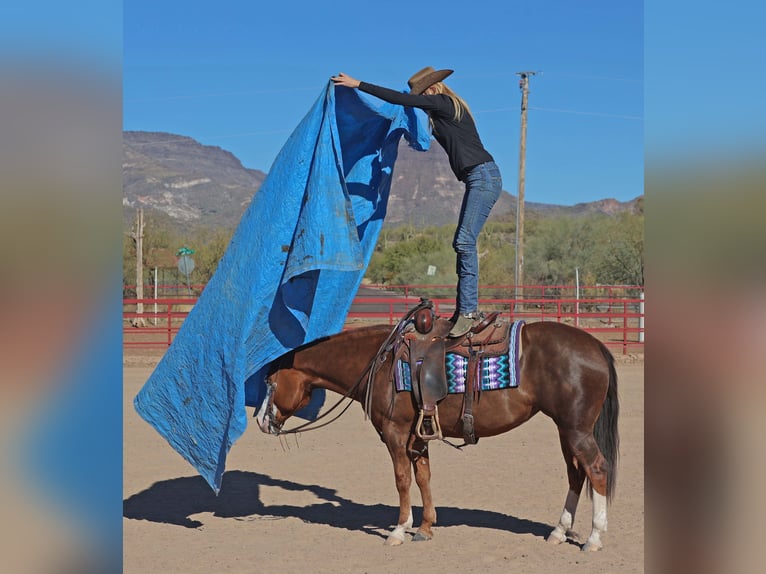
(324, 502)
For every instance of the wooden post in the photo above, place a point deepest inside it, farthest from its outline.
(138, 236)
(524, 85)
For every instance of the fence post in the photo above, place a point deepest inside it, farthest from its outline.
(577, 296)
(155, 296)
(624, 327)
(170, 324)
(641, 318)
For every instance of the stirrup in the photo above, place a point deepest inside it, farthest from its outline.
(436, 433)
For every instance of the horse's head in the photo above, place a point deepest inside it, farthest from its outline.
(287, 391)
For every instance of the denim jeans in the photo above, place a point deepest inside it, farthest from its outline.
(483, 186)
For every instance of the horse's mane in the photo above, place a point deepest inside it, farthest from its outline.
(351, 334)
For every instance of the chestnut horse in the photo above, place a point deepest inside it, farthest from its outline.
(565, 373)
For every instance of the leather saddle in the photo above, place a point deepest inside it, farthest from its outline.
(424, 346)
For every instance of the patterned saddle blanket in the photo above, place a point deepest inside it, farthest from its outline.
(497, 372)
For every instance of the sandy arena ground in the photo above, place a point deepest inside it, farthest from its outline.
(325, 502)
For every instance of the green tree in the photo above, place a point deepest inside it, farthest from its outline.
(158, 242)
(619, 258)
(211, 244)
(399, 263)
(558, 246)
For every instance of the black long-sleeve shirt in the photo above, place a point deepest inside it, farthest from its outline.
(458, 138)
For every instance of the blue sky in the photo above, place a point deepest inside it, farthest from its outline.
(242, 75)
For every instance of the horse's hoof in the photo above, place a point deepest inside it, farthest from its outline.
(420, 537)
(556, 537)
(591, 547)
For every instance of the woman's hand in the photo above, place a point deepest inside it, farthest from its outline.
(345, 80)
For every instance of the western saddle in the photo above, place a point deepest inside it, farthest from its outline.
(423, 344)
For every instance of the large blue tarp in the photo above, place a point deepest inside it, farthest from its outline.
(288, 276)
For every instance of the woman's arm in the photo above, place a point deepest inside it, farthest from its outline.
(427, 103)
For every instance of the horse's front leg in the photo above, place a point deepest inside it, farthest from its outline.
(418, 452)
(403, 476)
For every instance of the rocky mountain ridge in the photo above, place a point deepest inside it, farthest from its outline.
(193, 184)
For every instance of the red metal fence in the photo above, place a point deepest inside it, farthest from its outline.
(614, 314)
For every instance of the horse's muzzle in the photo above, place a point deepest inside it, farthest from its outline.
(266, 415)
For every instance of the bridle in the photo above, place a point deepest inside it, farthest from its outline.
(277, 430)
(271, 388)
(267, 408)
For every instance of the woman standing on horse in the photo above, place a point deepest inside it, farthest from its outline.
(453, 127)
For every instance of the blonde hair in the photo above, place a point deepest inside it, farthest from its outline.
(457, 102)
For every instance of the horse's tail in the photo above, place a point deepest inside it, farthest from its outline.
(605, 432)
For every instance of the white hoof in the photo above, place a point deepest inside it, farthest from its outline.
(396, 538)
(556, 537)
(592, 546)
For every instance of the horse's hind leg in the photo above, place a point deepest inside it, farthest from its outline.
(576, 477)
(418, 452)
(596, 469)
(592, 462)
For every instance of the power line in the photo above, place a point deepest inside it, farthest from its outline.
(601, 114)
(563, 111)
(608, 78)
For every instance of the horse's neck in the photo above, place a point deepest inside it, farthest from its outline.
(341, 361)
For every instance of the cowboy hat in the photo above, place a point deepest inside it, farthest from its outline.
(426, 77)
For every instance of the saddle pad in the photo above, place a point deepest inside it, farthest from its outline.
(496, 372)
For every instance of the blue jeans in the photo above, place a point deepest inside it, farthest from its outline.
(483, 186)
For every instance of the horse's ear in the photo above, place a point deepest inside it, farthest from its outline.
(424, 320)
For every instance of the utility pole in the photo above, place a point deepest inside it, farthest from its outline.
(524, 86)
(138, 237)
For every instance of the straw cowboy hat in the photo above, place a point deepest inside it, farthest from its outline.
(426, 77)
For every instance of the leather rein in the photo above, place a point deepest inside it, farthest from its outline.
(368, 373)
(307, 426)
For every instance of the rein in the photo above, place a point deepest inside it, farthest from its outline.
(306, 426)
(386, 346)
(368, 373)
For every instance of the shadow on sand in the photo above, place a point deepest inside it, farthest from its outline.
(175, 501)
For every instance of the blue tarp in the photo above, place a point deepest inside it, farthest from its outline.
(288, 276)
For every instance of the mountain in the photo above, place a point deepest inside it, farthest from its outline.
(191, 183)
(424, 190)
(194, 184)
